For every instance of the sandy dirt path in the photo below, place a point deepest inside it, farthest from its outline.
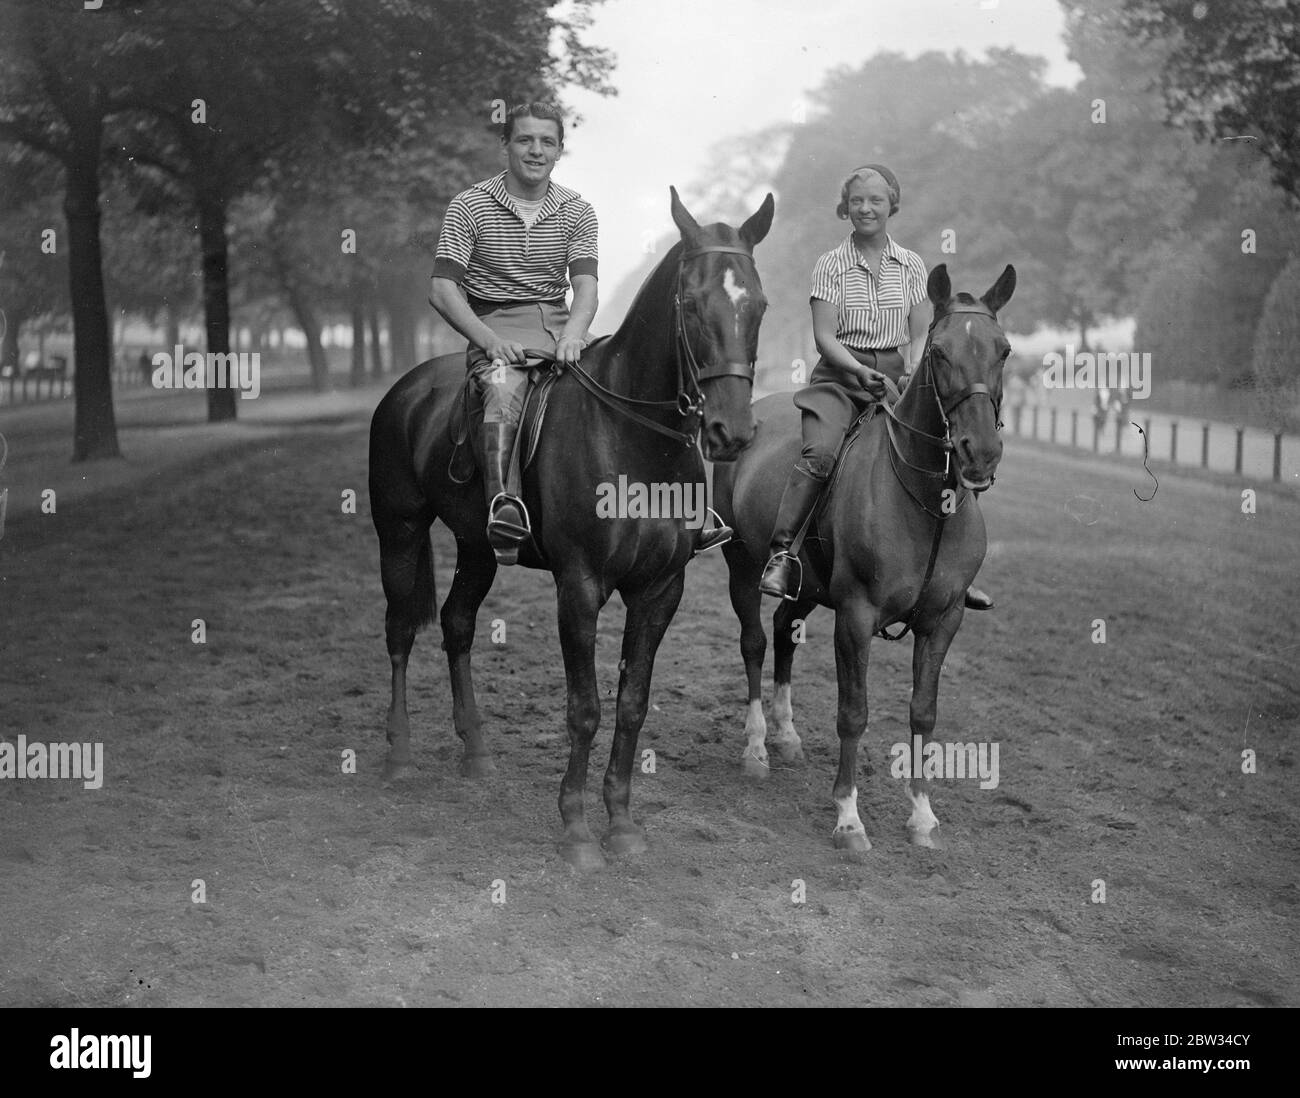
(1118, 762)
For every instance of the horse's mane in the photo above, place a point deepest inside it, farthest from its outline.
(651, 289)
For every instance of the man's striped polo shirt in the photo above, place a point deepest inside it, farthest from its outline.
(872, 315)
(487, 248)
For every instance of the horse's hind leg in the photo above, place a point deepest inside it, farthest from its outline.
(928, 653)
(746, 602)
(648, 613)
(787, 630)
(406, 569)
(475, 571)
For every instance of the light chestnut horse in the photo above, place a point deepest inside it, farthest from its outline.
(900, 539)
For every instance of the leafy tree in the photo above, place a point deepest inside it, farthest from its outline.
(33, 283)
(1276, 359)
(1230, 71)
(63, 73)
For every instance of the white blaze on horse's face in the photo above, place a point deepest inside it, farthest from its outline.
(736, 293)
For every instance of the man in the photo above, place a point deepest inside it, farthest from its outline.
(499, 280)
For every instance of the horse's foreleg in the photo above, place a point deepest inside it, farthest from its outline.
(928, 653)
(474, 574)
(648, 613)
(787, 629)
(854, 623)
(579, 602)
(746, 602)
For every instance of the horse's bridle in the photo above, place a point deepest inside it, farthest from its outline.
(690, 374)
(946, 408)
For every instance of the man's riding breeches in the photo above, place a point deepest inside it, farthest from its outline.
(537, 326)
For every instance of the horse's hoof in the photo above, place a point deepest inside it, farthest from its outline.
(931, 839)
(477, 766)
(627, 840)
(855, 842)
(751, 767)
(583, 857)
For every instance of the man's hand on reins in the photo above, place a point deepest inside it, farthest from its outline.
(568, 351)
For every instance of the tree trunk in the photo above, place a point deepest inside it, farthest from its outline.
(216, 296)
(376, 348)
(1083, 331)
(306, 316)
(172, 325)
(358, 376)
(401, 333)
(9, 355)
(94, 433)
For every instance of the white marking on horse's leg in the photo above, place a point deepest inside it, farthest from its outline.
(849, 820)
(923, 820)
(783, 714)
(755, 732)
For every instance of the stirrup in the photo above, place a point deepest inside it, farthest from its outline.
(508, 531)
(711, 539)
(798, 586)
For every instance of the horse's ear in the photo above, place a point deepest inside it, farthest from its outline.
(939, 286)
(689, 227)
(753, 230)
(1000, 292)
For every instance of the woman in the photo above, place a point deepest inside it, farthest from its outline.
(870, 317)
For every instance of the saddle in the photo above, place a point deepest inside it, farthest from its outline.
(820, 556)
(466, 420)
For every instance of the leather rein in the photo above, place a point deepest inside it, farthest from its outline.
(690, 374)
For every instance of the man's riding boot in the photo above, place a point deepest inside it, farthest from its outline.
(507, 526)
(977, 599)
(797, 503)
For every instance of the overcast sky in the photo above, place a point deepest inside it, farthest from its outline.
(691, 73)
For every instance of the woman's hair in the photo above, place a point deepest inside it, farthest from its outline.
(866, 174)
(533, 110)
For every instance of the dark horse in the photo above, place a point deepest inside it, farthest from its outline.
(900, 539)
(682, 359)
